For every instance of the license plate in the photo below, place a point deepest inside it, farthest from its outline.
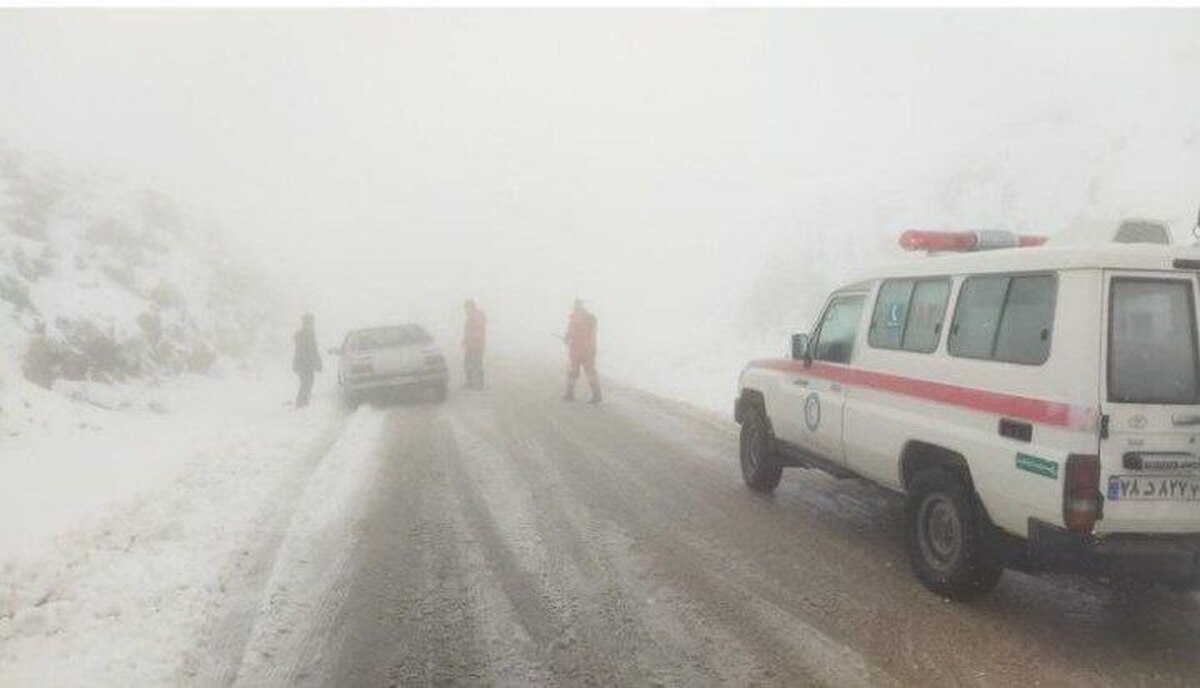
(1154, 489)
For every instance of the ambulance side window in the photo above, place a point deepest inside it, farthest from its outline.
(1004, 318)
(1024, 335)
(925, 316)
(891, 312)
(908, 314)
(837, 330)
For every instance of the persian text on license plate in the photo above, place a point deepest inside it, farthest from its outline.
(1144, 488)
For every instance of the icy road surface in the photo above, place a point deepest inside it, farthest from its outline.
(506, 537)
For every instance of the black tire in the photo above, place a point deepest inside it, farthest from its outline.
(947, 537)
(756, 448)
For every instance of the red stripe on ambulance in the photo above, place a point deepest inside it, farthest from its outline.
(1010, 405)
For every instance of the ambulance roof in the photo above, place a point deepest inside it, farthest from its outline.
(1112, 256)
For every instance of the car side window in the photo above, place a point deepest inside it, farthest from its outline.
(1004, 318)
(837, 329)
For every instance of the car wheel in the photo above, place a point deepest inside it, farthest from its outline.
(947, 537)
(756, 446)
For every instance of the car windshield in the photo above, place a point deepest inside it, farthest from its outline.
(380, 337)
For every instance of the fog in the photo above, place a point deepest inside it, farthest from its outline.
(179, 505)
(700, 177)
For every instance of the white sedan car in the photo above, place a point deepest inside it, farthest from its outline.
(391, 357)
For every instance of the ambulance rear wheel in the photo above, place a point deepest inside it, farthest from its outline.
(947, 537)
(756, 446)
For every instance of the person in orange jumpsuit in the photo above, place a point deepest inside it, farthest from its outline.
(474, 342)
(581, 349)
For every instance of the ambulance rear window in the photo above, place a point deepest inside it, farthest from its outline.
(1152, 355)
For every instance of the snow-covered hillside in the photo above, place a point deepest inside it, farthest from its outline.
(142, 440)
(102, 283)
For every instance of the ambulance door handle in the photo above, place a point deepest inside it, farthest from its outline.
(835, 387)
(1191, 419)
(800, 382)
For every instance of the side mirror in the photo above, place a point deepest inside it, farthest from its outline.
(335, 351)
(800, 347)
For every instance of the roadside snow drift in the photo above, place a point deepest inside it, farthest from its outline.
(121, 534)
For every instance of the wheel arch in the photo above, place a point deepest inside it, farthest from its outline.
(749, 399)
(918, 456)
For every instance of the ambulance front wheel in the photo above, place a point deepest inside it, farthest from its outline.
(760, 471)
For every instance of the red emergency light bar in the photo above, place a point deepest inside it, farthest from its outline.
(972, 240)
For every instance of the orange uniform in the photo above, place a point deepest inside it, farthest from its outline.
(475, 330)
(581, 348)
(474, 342)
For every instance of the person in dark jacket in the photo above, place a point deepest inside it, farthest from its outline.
(474, 342)
(306, 362)
(581, 349)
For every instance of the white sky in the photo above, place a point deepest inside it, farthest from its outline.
(655, 162)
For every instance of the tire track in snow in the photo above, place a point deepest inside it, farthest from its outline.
(517, 582)
(297, 634)
(595, 632)
(427, 604)
(617, 608)
(217, 656)
(829, 551)
(610, 463)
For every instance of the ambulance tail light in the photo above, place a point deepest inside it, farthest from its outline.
(966, 241)
(1081, 493)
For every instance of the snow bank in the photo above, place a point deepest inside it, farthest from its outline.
(117, 529)
(128, 482)
(295, 637)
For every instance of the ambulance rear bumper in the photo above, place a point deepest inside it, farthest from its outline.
(1170, 559)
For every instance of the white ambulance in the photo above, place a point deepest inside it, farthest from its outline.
(1038, 405)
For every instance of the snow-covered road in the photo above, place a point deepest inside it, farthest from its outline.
(507, 538)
